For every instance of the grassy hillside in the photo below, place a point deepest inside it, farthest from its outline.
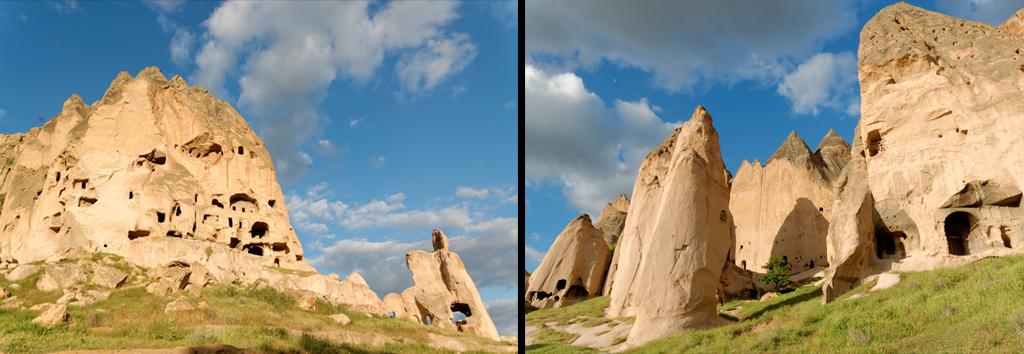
(261, 319)
(972, 308)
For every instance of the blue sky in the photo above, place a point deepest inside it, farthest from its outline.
(384, 119)
(606, 82)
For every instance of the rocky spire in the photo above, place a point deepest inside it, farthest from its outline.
(685, 240)
(613, 218)
(439, 240)
(834, 151)
(441, 287)
(574, 267)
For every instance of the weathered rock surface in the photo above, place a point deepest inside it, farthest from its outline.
(340, 318)
(153, 158)
(108, 277)
(23, 271)
(159, 173)
(781, 209)
(60, 276)
(178, 305)
(574, 267)
(52, 316)
(940, 132)
(12, 302)
(676, 237)
(439, 240)
(850, 233)
(612, 219)
(441, 287)
(306, 302)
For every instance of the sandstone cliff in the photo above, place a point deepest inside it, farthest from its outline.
(574, 267)
(164, 175)
(939, 136)
(782, 208)
(676, 236)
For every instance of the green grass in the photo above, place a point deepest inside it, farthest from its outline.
(977, 307)
(263, 319)
(590, 311)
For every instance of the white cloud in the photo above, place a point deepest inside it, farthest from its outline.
(507, 12)
(65, 6)
(3, 113)
(392, 212)
(469, 192)
(533, 255)
(505, 314)
(290, 53)
(825, 81)
(503, 195)
(592, 152)
(181, 47)
(164, 6)
(684, 44)
(442, 57)
(354, 122)
(994, 12)
(378, 161)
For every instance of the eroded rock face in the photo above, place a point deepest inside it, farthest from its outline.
(940, 132)
(850, 233)
(612, 219)
(442, 287)
(161, 174)
(781, 209)
(154, 158)
(573, 269)
(676, 237)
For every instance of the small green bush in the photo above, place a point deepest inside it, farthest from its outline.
(777, 276)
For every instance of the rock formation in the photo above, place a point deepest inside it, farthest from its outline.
(612, 219)
(574, 267)
(676, 237)
(152, 159)
(782, 208)
(164, 175)
(441, 288)
(940, 138)
(850, 233)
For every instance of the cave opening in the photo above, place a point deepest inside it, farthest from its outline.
(259, 229)
(874, 143)
(889, 245)
(958, 225)
(254, 250)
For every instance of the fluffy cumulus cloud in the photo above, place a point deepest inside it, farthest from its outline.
(425, 69)
(286, 57)
(503, 195)
(991, 11)
(685, 44)
(826, 80)
(592, 151)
